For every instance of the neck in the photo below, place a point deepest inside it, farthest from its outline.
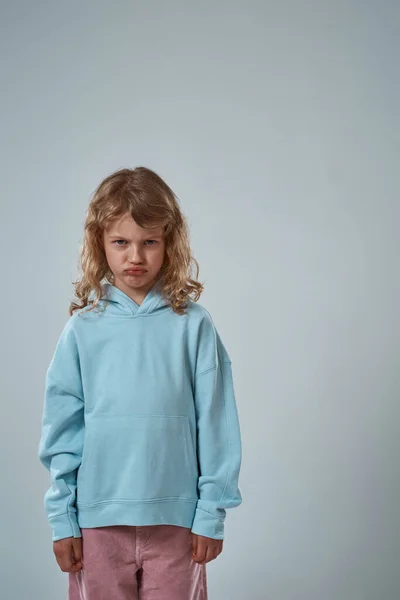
(137, 294)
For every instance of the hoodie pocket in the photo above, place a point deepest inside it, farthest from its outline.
(143, 457)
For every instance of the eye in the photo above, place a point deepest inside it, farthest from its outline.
(155, 242)
(116, 242)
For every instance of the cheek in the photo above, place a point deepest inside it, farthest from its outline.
(114, 257)
(156, 258)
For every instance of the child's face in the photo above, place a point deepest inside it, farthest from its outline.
(127, 246)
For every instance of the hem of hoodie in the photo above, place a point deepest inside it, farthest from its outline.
(123, 512)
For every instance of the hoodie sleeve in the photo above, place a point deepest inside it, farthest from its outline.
(61, 443)
(218, 435)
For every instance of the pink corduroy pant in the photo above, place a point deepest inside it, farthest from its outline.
(147, 562)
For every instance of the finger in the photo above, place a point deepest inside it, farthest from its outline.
(194, 544)
(210, 554)
(219, 547)
(201, 548)
(65, 561)
(62, 552)
(212, 551)
(69, 564)
(77, 550)
(74, 567)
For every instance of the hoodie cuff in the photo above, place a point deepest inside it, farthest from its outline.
(204, 523)
(64, 526)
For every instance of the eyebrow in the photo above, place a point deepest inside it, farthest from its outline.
(122, 237)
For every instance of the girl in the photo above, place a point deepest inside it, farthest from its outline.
(140, 429)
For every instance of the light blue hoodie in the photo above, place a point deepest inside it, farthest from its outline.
(140, 424)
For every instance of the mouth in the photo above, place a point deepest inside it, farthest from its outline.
(135, 271)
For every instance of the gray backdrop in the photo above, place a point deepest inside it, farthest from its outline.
(277, 124)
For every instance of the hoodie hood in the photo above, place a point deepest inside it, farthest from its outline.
(117, 302)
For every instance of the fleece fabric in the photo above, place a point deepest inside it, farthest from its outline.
(140, 424)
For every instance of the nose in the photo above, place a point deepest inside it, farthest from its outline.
(135, 255)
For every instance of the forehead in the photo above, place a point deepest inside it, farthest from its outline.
(126, 226)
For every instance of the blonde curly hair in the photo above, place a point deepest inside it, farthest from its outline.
(144, 195)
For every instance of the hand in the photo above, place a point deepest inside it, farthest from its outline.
(205, 549)
(68, 553)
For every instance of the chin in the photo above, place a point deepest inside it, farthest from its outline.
(138, 282)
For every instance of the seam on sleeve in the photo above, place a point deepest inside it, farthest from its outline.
(229, 362)
(206, 371)
(66, 512)
(211, 514)
(62, 386)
